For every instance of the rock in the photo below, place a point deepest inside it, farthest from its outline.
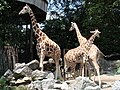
(33, 64)
(19, 65)
(22, 70)
(92, 88)
(116, 85)
(47, 84)
(39, 75)
(50, 75)
(8, 74)
(35, 85)
(63, 86)
(118, 70)
(24, 80)
(57, 86)
(82, 83)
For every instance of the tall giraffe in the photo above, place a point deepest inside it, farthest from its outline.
(76, 55)
(45, 46)
(94, 52)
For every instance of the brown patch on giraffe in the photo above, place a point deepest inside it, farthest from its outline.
(47, 48)
(37, 26)
(40, 33)
(42, 47)
(37, 36)
(32, 18)
(39, 40)
(43, 37)
(33, 22)
(54, 49)
(46, 44)
(51, 46)
(37, 31)
(34, 27)
(51, 49)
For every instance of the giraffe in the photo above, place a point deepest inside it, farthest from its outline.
(86, 47)
(94, 52)
(45, 46)
(72, 57)
(76, 55)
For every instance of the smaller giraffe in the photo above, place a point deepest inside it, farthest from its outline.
(87, 46)
(72, 57)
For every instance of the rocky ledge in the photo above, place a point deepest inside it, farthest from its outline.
(28, 77)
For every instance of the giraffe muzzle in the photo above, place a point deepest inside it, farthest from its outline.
(19, 13)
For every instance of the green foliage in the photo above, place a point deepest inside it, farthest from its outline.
(58, 30)
(10, 32)
(3, 84)
(89, 15)
(105, 16)
(2, 81)
(21, 87)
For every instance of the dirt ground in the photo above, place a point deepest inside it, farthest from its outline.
(108, 81)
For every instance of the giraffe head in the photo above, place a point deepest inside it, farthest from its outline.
(73, 26)
(96, 32)
(25, 10)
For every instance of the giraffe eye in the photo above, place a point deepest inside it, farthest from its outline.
(25, 8)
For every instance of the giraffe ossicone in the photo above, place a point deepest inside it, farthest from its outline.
(45, 46)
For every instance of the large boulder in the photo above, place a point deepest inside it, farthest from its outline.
(34, 64)
(83, 83)
(116, 85)
(48, 84)
(44, 84)
(35, 85)
(8, 74)
(39, 75)
(22, 70)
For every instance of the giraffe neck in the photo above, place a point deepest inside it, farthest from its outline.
(81, 39)
(37, 30)
(89, 43)
(91, 39)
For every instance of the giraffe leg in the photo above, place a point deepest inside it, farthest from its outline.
(41, 57)
(83, 70)
(58, 71)
(98, 72)
(86, 69)
(89, 70)
(73, 72)
(66, 66)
